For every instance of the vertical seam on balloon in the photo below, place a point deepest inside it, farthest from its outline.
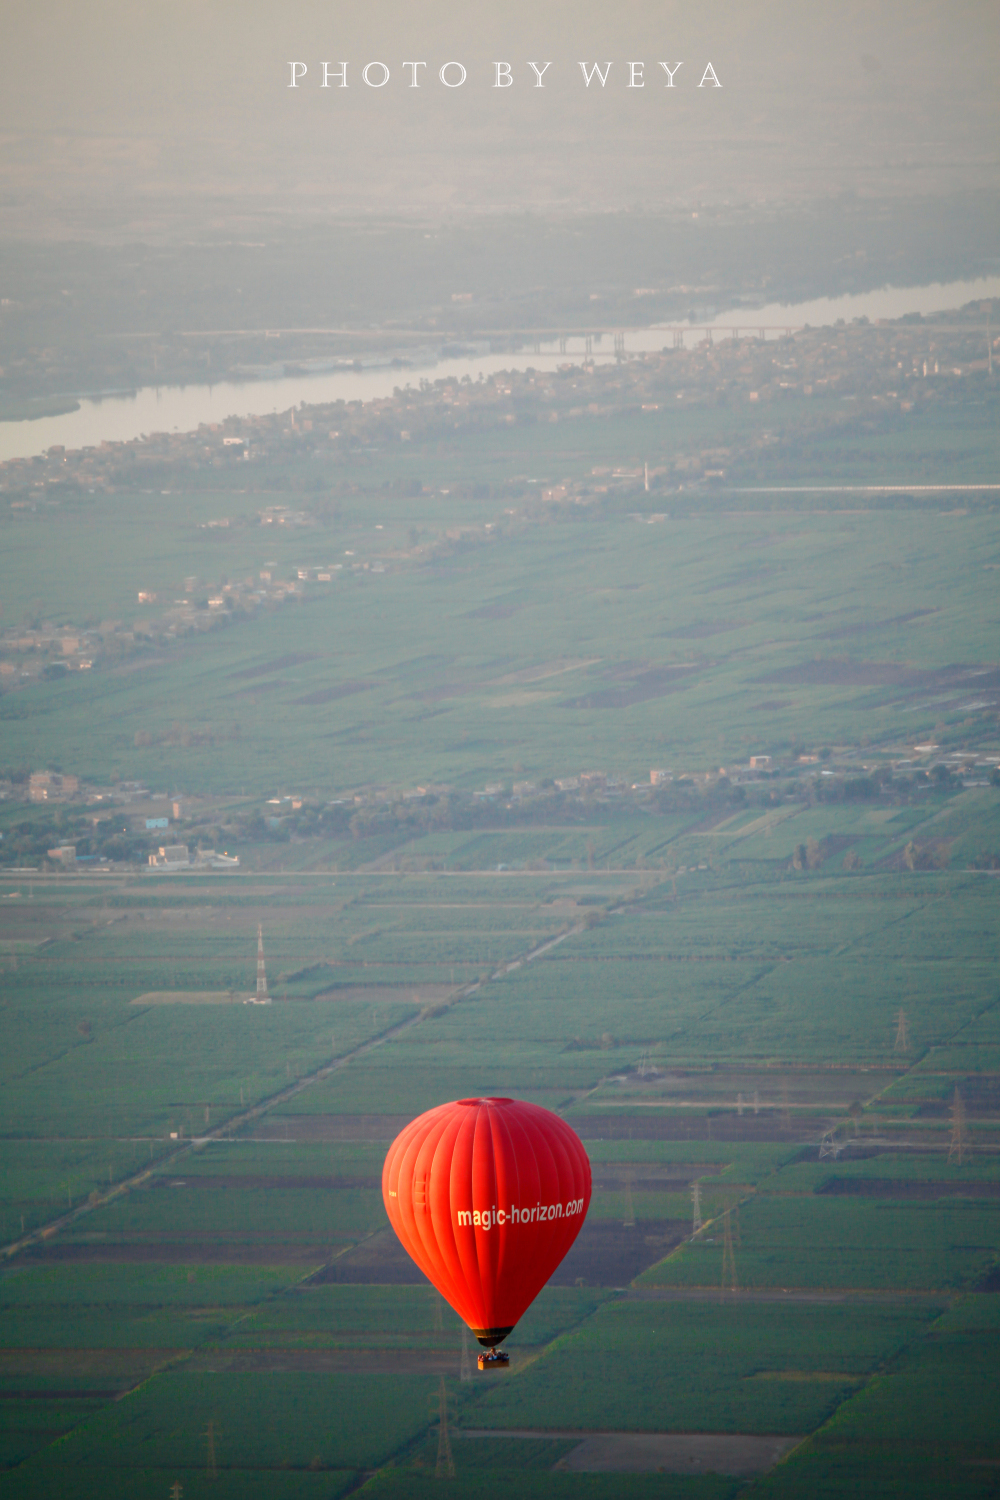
(470, 1265)
(428, 1241)
(456, 1258)
(509, 1155)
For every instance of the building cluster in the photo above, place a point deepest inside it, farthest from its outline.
(47, 650)
(179, 857)
(888, 366)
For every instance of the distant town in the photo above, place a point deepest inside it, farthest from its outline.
(857, 375)
(128, 825)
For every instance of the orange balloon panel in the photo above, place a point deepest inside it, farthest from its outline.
(487, 1195)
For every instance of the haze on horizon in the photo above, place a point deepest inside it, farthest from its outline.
(139, 119)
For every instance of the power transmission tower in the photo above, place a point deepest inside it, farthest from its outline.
(739, 1105)
(696, 1224)
(902, 1034)
(176, 1490)
(261, 974)
(958, 1142)
(445, 1466)
(629, 1222)
(466, 1370)
(756, 1101)
(729, 1283)
(438, 1304)
(211, 1470)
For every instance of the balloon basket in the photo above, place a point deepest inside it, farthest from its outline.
(494, 1359)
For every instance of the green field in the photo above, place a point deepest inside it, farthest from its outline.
(767, 997)
(692, 644)
(702, 1035)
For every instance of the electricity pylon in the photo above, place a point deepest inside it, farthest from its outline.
(902, 1034)
(958, 1142)
(445, 1466)
(466, 1370)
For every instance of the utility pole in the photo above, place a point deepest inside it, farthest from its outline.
(210, 1468)
(958, 1142)
(445, 1467)
(629, 1222)
(989, 341)
(261, 974)
(729, 1283)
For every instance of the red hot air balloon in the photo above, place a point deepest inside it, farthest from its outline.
(487, 1196)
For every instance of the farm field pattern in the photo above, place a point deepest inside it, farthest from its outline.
(257, 1266)
(778, 1011)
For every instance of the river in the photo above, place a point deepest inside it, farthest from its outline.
(183, 408)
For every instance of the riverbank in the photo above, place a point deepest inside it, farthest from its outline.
(34, 408)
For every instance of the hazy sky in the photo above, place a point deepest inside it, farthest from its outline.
(186, 103)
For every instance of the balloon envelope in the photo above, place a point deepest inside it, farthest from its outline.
(487, 1196)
